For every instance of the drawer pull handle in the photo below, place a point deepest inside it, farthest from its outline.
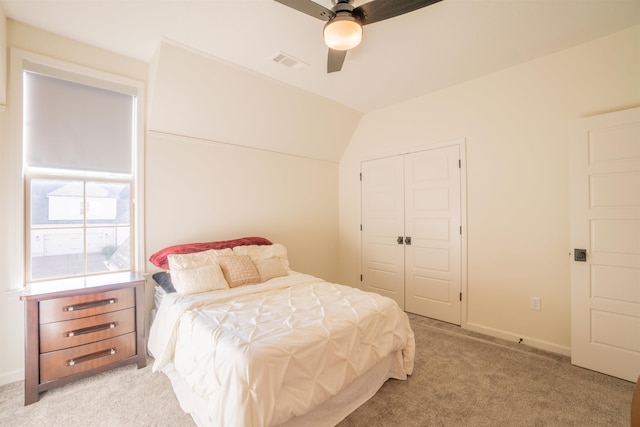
(90, 329)
(92, 356)
(91, 304)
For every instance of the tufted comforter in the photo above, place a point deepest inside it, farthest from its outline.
(261, 354)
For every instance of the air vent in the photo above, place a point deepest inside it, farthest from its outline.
(287, 60)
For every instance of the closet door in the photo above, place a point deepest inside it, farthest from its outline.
(411, 237)
(382, 189)
(432, 221)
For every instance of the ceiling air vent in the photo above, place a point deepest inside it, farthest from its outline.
(287, 60)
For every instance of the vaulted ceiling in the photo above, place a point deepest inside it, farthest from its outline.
(400, 58)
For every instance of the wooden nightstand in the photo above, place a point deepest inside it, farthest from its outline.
(75, 328)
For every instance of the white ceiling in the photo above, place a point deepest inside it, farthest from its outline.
(400, 58)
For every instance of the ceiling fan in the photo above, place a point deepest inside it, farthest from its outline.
(343, 30)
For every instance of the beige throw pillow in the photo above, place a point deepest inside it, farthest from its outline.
(239, 270)
(270, 268)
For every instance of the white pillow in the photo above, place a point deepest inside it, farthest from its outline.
(197, 272)
(262, 252)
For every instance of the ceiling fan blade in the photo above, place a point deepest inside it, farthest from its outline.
(310, 8)
(335, 60)
(379, 10)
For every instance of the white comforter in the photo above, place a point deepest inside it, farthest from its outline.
(261, 354)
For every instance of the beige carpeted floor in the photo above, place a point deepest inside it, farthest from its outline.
(460, 379)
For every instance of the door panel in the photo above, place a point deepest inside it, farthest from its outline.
(605, 190)
(382, 223)
(605, 220)
(431, 289)
(432, 259)
(435, 230)
(615, 283)
(432, 220)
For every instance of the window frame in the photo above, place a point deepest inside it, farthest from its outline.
(17, 184)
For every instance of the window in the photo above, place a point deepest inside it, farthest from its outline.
(78, 227)
(80, 139)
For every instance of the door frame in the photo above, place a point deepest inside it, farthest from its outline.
(461, 143)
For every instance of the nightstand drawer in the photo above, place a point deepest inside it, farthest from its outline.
(72, 333)
(55, 310)
(62, 363)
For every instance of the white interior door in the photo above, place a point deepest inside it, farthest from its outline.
(605, 221)
(432, 222)
(382, 190)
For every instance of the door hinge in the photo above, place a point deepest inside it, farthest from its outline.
(460, 229)
(459, 164)
(361, 277)
(460, 296)
(360, 227)
(360, 176)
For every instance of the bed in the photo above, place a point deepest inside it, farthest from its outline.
(246, 341)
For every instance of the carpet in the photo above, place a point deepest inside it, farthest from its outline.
(466, 379)
(460, 379)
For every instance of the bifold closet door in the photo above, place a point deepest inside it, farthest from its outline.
(433, 268)
(382, 190)
(411, 242)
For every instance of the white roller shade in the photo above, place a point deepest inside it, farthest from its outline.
(68, 125)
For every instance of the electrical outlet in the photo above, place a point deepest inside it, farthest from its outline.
(535, 303)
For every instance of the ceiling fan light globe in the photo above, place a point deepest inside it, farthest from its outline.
(342, 33)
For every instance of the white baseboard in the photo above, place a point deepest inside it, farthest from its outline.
(531, 342)
(11, 377)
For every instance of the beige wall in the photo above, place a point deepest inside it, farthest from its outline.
(515, 123)
(8, 303)
(250, 157)
(199, 96)
(232, 154)
(3, 60)
(201, 190)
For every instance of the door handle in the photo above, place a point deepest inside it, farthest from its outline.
(399, 240)
(407, 240)
(580, 255)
